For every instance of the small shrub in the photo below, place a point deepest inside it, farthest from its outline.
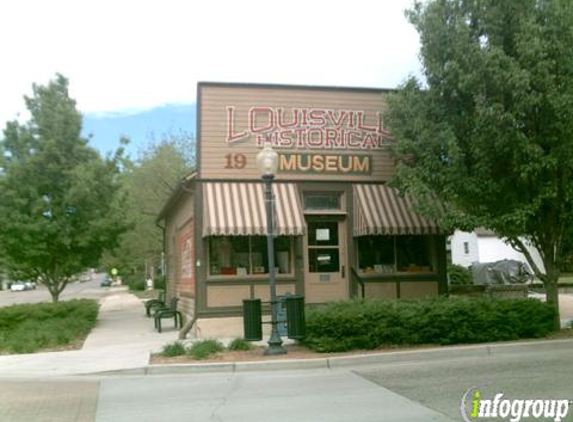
(371, 324)
(28, 328)
(205, 349)
(173, 349)
(159, 283)
(137, 285)
(240, 344)
(459, 274)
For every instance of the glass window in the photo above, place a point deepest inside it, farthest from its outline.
(392, 254)
(322, 233)
(376, 254)
(413, 254)
(323, 248)
(323, 260)
(283, 254)
(243, 255)
(322, 202)
(259, 256)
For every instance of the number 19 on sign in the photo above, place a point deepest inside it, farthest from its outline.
(235, 161)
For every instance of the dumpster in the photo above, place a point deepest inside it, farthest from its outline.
(296, 326)
(252, 320)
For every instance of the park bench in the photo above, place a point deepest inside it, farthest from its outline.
(154, 304)
(170, 312)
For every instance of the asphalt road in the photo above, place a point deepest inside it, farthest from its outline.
(423, 390)
(440, 385)
(88, 290)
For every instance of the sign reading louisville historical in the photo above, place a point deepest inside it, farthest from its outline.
(303, 128)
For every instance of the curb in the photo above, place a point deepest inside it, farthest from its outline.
(382, 358)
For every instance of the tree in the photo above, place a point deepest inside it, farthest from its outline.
(60, 206)
(491, 131)
(148, 183)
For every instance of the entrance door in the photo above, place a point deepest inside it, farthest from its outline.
(326, 275)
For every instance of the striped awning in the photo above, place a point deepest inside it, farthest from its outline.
(238, 209)
(381, 210)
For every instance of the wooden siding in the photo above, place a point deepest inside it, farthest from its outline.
(178, 219)
(415, 289)
(187, 307)
(223, 296)
(380, 290)
(263, 291)
(214, 149)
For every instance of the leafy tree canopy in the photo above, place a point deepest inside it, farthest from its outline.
(60, 205)
(490, 132)
(148, 182)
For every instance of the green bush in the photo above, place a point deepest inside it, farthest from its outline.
(205, 349)
(135, 281)
(240, 344)
(159, 283)
(137, 285)
(459, 274)
(371, 324)
(173, 349)
(28, 328)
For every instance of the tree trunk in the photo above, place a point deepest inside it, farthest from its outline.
(551, 276)
(55, 297)
(54, 292)
(552, 297)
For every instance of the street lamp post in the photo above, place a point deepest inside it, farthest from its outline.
(268, 162)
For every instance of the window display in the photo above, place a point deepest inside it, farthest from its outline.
(396, 254)
(246, 255)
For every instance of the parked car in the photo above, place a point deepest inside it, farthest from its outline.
(18, 286)
(30, 285)
(106, 282)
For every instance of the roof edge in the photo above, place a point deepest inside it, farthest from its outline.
(182, 187)
(254, 85)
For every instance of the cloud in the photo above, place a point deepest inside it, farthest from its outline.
(133, 55)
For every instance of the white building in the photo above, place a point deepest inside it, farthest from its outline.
(484, 245)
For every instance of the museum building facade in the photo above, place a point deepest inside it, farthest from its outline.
(340, 231)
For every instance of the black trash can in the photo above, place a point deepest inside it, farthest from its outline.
(252, 320)
(296, 325)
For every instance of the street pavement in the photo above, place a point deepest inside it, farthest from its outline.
(278, 396)
(87, 290)
(83, 385)
(519, 373)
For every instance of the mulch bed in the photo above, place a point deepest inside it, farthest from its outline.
(300, 352)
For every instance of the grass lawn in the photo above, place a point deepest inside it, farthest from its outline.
(30, 328)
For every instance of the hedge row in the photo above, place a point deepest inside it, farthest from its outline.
(28, 328)
(370, 324)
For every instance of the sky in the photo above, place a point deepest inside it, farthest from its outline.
(123, 57)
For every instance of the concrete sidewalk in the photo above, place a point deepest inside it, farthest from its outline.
(122, 339)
